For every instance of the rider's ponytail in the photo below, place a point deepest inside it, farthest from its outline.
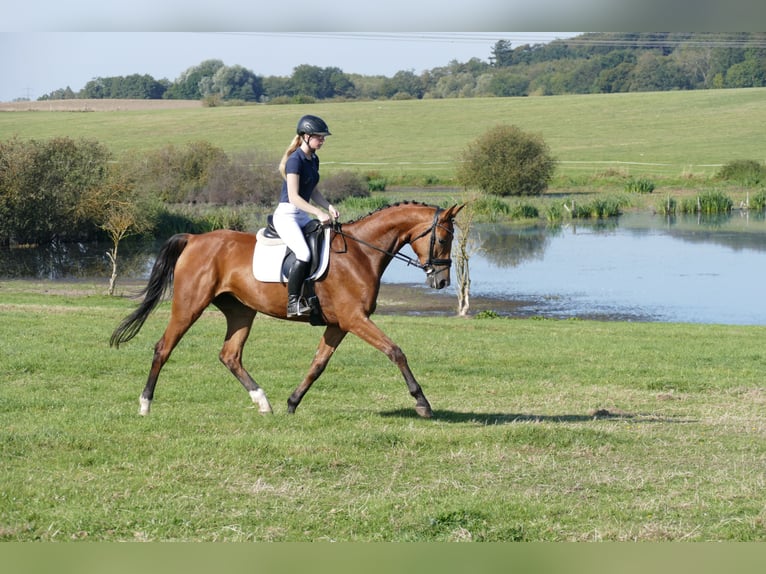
(294, 145)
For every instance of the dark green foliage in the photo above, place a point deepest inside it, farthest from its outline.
(47, 189)
(507, 161)
(747, 172)
(599, 62)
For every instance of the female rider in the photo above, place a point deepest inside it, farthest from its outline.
(300, 173)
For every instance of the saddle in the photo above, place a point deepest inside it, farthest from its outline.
(315, 240)
(272, 259)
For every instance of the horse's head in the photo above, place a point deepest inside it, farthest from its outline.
(434, 245)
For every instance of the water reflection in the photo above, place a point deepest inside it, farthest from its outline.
(64, 261)
(640, 267)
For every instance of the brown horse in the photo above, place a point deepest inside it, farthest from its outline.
(217, 268)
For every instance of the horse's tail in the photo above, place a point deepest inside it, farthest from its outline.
(160, 281)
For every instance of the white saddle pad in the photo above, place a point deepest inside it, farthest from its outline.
(270, 253)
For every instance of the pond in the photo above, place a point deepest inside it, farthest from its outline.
(638, 267)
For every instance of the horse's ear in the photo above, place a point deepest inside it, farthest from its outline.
(454, 210)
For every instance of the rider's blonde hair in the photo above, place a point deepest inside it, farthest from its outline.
(294, 145)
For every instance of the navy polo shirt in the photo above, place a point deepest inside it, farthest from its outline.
(308, 173)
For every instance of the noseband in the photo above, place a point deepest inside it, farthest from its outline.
(429, 266)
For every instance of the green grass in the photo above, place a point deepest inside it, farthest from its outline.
(543, 431)
(658, 135)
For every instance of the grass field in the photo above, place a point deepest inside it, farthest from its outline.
(664, 134)
(543, 431)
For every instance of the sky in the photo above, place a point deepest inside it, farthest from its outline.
(49, 44)
(45, 61)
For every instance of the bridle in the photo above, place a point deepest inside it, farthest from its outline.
(429, 266)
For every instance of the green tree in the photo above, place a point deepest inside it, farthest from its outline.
(506, 161)
(188, 86)
(404, 82)
(237, 83)
(502, 54)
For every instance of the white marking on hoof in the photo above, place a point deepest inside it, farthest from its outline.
(145, 406)
(259, 398)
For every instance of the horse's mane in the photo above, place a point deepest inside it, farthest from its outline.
(385, 207)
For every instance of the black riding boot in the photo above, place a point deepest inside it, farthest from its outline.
(296, 305)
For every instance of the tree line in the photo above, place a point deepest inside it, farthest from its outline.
(588, 63)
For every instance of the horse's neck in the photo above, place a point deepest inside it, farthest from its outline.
(389, 228)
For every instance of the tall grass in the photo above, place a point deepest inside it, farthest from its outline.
(711, 202)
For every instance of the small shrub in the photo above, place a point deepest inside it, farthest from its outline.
(746, 172)
(342, 185)
(506, 161)
(640, 185)
(487, 314)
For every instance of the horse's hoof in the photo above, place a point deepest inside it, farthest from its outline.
(424, 412)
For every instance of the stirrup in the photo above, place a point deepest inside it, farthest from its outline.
(298, 308)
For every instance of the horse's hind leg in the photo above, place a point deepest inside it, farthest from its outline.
(239, 320)
(178, 325)
(332, 337)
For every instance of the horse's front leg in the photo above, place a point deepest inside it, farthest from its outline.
(371, 333)
(332, 337)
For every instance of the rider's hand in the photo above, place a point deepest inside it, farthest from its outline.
(334, 213)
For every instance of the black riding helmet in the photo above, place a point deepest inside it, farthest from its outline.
(312, 125)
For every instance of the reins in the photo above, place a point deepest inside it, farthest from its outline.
(427, 267)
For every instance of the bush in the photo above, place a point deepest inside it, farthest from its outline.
(247, 178)
(342, 185)
(746, 172)
(50, 189)
(506, 161)
(179, 175)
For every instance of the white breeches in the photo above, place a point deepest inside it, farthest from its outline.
(289, 222)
